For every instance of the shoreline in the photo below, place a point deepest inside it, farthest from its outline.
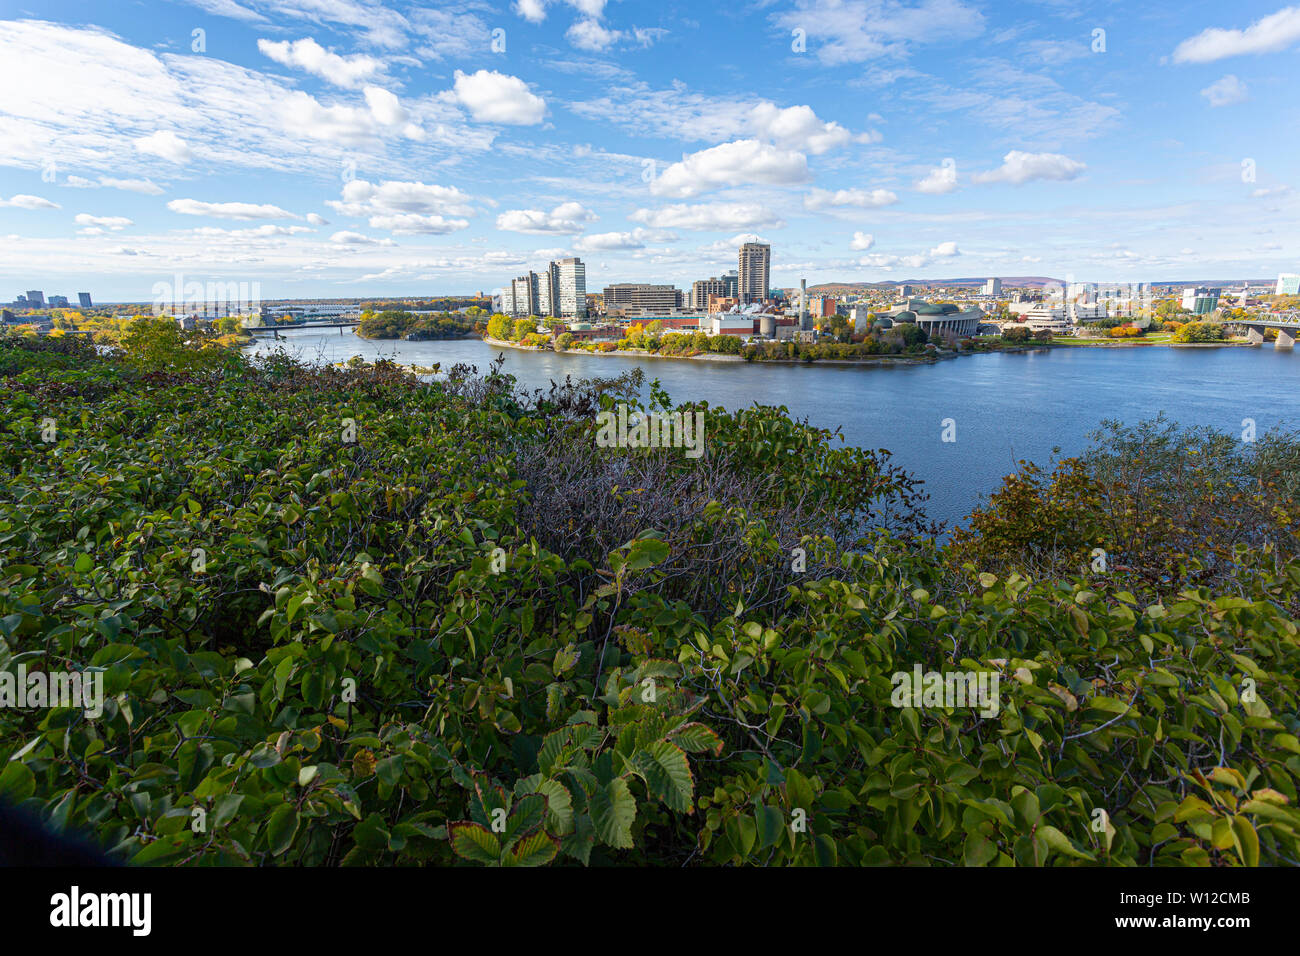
(883, 360)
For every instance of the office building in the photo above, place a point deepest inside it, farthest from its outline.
(83, 298)
(1201, 301)
(569, 280)
(559, 290)
(993, 287)
(701, 289)
(58, 301)
(1288, 283)
(35, 298)
(641, 297)
(755, 271)
(732, 281)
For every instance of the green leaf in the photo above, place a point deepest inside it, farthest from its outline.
(667, 774)
(474, 842)
(980, 850)
(537, 849)
(17, 782)
(281, 828)
(770, 825)
(612, 811)
(695, 737)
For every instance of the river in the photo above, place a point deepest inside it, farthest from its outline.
(1005, 406)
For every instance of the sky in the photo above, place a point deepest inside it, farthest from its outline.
(356, 148)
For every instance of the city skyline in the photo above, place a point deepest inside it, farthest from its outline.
(344, 149)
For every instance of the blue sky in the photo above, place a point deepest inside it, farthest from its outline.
(352, 148)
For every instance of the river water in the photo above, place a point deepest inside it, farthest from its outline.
(1004, 406)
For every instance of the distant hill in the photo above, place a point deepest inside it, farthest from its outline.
(1023, 282)
(1020, 282)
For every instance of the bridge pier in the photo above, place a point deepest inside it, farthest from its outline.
(1285, 339)
(1254, 336)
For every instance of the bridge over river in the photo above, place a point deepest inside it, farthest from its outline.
(1287, 325)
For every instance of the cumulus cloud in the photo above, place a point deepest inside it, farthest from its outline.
(941, 179)
(944, 250)
(1270, 34)
(862, 241)
(591, 34)
(106, 222)
(702, 216)
(228, 210)
(744, 161)
(345, 238)
(166, 145)
(306, 54)
(316, 219)
(566, 218)
(622, 241)
(25, 201)
(1225, 91)
(493, 97)
(405, 208)
(1020, 167)
(796, 126)
(856, 198)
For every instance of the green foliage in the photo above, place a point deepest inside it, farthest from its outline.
(396, 324)
(1200, 332)
(379, 662)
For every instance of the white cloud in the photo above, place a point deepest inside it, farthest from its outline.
(688, 116)
(564, 219)
(731, 164)
(1272, 33)
(384, 106)
(493, 97)
(1225, 91)
(590, 34)
(167, 145)
(944, 250)
(941, 179)
(534, 11)
(609, 242)
(797, 127)
(24, 201)
(145, 186)
(346, 238)
(316, 219)
(862, 241)
(854, 31)
(858, 198)
(406, 208)
(107, 222)
(267, 231)
(415, 224)
(307, 54)
(228, 210)
(719, 215)
(1020, 167)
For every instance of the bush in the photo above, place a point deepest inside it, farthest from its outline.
(1200, 332)
(355, 619)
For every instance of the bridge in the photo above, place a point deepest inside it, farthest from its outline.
(277, 329)
(1287, 325)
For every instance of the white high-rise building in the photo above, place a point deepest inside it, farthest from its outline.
(1288, 283)
(570, 284)
(993, 287)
